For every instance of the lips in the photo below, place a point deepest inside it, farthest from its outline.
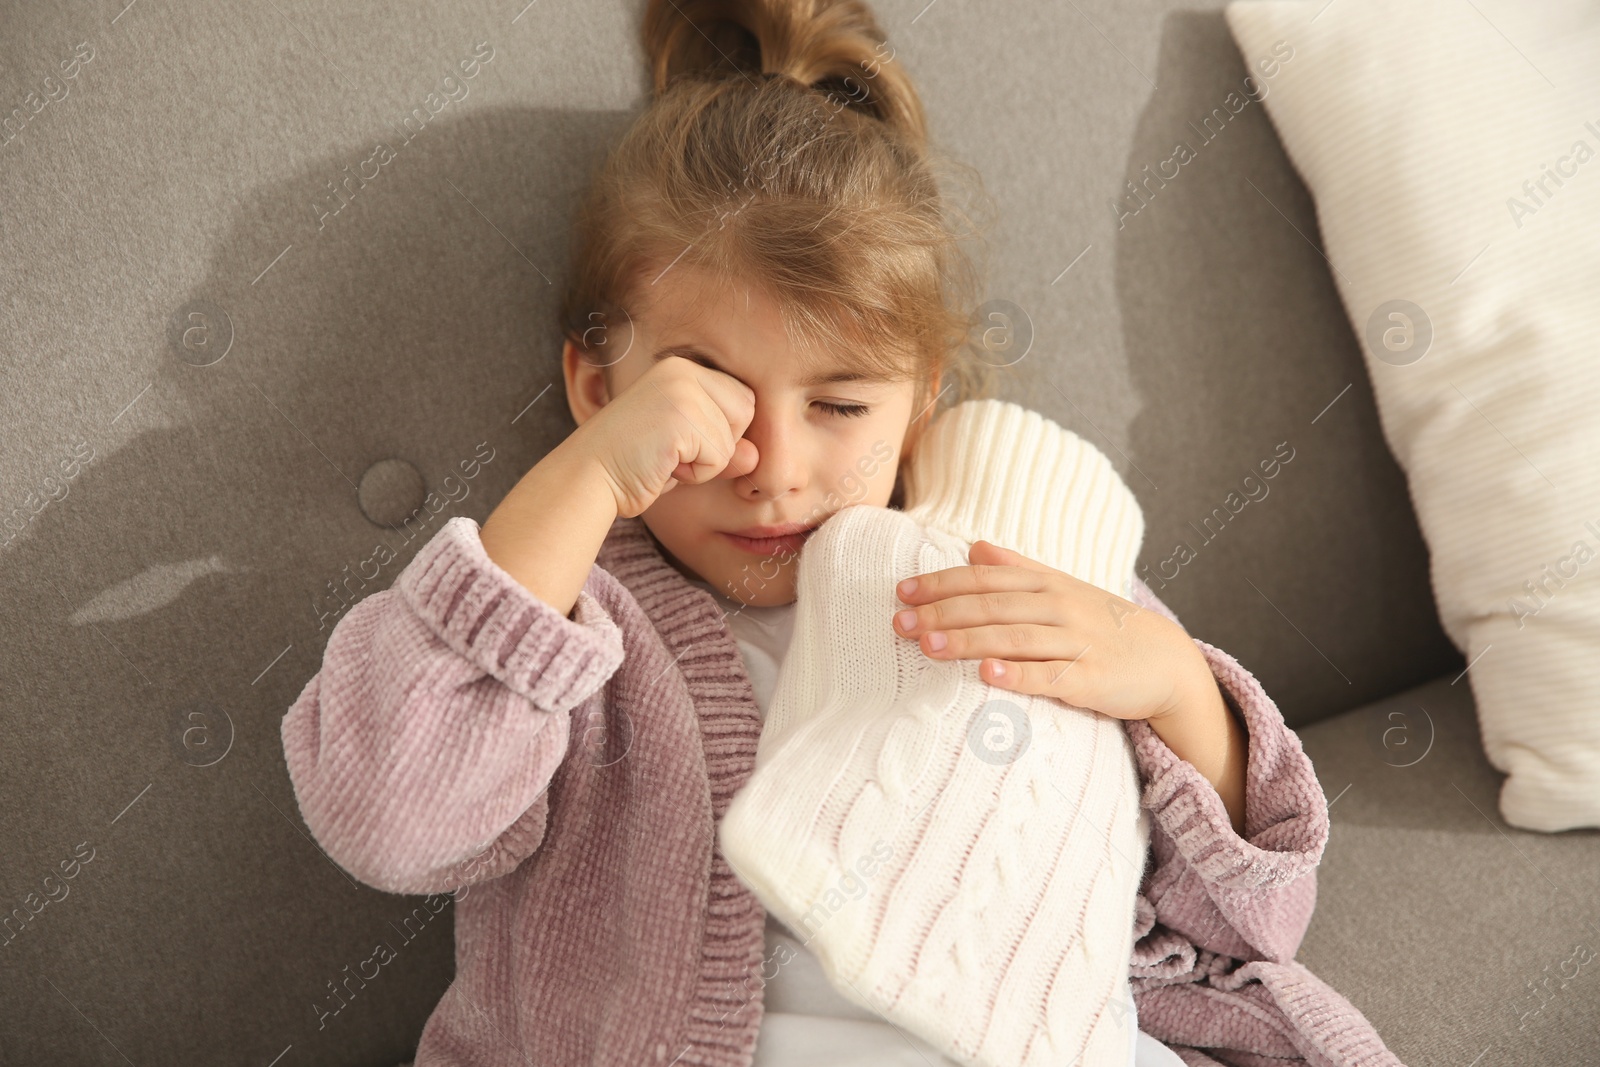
(770, 540)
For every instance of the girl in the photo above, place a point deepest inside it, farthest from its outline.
(547, 716)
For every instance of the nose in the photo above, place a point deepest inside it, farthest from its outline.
(780, 463)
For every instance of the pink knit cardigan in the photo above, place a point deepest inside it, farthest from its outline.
(463, 736)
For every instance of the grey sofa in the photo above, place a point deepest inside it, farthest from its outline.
(228, 382)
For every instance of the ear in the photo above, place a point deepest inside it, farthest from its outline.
(586, 383)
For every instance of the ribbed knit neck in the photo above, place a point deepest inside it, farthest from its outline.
(993, 470)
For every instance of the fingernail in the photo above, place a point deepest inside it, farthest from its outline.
(908, 587)
(906, 619)
(936, 641)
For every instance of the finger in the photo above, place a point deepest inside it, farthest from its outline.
(721, 456)
(709, 459)
(1056, 679)
(742, 463)
(991, 553)
(1008, 641)
(972, 578)
(736, 399)
(985, 607)
(1030, 677)
(737, 403)
(743, 460)
(707, 463)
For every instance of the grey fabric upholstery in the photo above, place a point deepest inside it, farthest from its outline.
(259, 384)
(1457, 935)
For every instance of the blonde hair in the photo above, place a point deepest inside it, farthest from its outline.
(785, 146)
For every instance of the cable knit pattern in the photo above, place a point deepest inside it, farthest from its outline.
(997, 837)
(564, 777)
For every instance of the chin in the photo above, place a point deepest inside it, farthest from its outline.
(772, 594)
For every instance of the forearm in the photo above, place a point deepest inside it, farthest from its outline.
(548, 530)
(1204, 731)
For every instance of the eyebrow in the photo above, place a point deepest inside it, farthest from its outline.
(827, 378)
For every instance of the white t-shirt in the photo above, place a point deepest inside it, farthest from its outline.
(808, 1023)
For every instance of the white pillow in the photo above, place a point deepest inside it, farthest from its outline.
(1425, 131)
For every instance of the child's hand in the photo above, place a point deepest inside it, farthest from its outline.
(679, 422)
(1042, 631)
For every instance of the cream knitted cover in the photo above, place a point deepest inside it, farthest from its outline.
(963, 860)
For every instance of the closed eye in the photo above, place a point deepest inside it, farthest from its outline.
(847, 410)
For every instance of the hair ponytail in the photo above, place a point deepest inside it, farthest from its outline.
(832, 46)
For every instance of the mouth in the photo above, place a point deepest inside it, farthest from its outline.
(770, 542)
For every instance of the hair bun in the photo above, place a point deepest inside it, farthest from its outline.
(833, 47)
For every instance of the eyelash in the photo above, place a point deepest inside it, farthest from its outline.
(847, 410)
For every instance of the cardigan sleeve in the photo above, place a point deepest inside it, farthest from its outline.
(420, 752)
(1207, 888)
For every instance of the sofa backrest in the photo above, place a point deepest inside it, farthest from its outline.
(279, 301)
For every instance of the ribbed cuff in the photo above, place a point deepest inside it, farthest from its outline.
(490, 618)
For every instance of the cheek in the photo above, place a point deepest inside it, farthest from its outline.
(851, 484)
(679, 514)
(861, 468)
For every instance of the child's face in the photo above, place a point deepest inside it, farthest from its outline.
(812, 460)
